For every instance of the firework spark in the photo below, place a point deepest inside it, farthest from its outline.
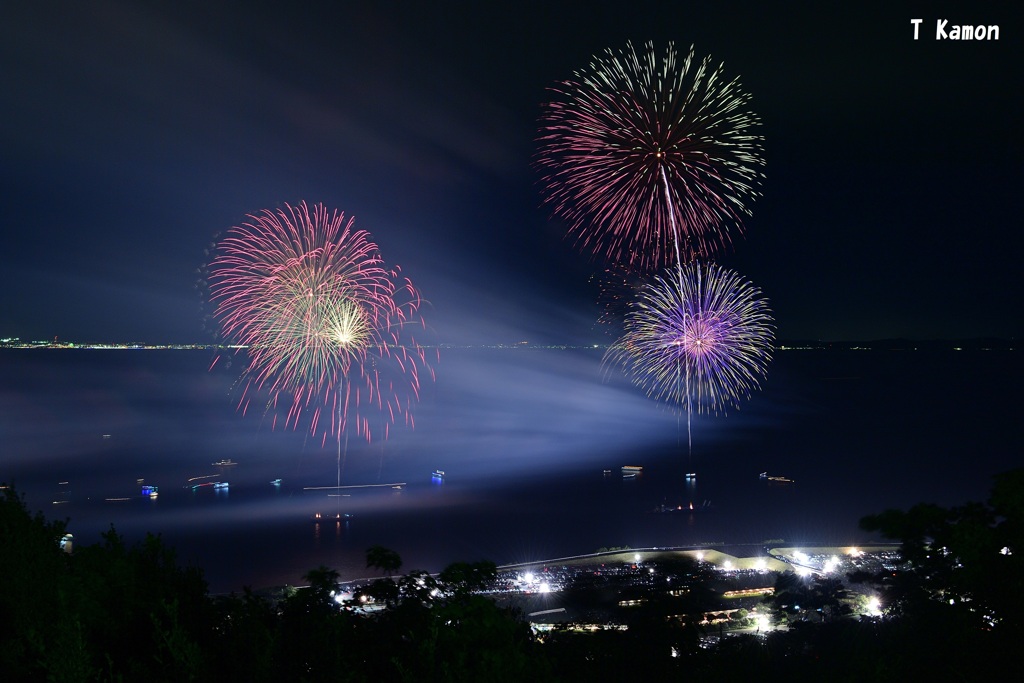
(649, 157)
(699, 340)
(324, 321)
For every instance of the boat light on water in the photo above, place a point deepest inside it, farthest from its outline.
(339, 517)
(631, 471)
(764, 476)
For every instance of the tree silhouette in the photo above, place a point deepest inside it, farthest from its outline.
(384, 559)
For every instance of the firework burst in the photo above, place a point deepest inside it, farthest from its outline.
(700, 340)
(324, 321)
(647, 157)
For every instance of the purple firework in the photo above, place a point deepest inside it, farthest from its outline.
(647, 157)
(700, 339)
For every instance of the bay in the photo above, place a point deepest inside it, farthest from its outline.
(524, 436)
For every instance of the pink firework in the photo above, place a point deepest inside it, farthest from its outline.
(648, 157)
(325, 323)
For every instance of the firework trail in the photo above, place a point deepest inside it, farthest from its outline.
(701, 341)
(647, 157)
(326, 325)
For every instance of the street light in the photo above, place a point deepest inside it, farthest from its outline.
(874, 606)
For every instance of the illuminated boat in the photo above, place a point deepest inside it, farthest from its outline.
(764, 476)
(631, 471)
(220, 485)
(150, 491)
(689, 508)
(339, 517)
(438, 475)
(228, 462)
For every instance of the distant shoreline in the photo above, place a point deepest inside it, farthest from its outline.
(898, 344)
(712, 553)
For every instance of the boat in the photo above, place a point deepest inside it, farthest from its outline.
(764, 476)
(227, 462)
(220, 485)
(635, 469)
(689, 508)
(691, 475)
(339, 517)
(438, 474)
(276, 482)
(150, 491)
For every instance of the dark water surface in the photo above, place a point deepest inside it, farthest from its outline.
(524, 436)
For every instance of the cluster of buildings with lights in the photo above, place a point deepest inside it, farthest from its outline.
(738, 589)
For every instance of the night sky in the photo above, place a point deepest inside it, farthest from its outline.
(133, 133)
